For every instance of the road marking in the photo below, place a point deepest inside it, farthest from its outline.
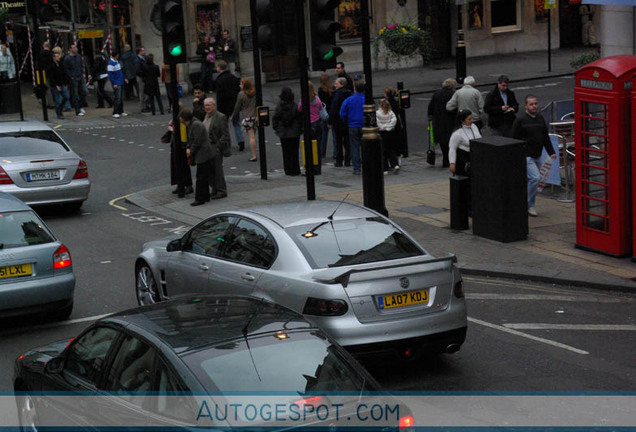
(57, 126)
(527, 336)
(593, 327)
(562, 298)
(113, 201)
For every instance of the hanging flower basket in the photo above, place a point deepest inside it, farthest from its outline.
(404, 40)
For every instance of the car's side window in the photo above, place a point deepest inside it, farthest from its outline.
(250, 244)
(208, 237)
(87, 355)
(131, 370)
(171, 400)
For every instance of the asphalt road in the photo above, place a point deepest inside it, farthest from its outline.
(521, 336)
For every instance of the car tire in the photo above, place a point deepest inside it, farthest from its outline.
(65, 312)
(146, 286)
(27, 415)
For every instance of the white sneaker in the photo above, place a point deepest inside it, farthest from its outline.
(386, 172)
(124, 114)
(532, 212)
(396, 169)
(81, 113)
(116, 116)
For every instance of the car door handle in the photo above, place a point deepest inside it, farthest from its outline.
(204, 267)
(248, 277)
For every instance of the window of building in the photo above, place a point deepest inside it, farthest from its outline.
(505, 15)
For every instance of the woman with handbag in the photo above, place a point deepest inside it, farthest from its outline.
(245, 107)
(286, 124)
(315, 116)
(459, 147)
(180, 173)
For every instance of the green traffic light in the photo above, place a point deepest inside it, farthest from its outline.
(176, 50)
(329, 55)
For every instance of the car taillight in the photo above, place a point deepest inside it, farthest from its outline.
(407, 423)
(82, 170)
(313, 401)
(61, 258)
(4, 177)
(321, 307)
(458, 290)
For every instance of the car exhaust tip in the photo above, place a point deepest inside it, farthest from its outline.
(452, 348)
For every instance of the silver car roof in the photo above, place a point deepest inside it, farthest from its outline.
(14, 126)
(10, 203)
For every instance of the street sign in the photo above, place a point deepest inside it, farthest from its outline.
(90, 34)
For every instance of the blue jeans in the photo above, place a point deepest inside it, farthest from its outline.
(60, 97)
(118, 100)
(78, 94)
(355, 135)
(324, 138)
(532, 167)
(238, 130)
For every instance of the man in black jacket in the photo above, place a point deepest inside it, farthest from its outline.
(502, 108)
(443, 120)
(227, 90)
(531, 128)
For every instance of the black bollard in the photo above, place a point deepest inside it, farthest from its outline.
(372, 172)
(459, 202)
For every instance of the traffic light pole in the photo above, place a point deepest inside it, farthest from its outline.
(262, 152)
(303, 64)
(372, 170)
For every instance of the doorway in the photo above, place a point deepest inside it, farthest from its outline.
(569, 23)
(434, 16)
(285, 66)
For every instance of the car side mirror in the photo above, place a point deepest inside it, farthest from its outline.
(174, 245)
(55, 365)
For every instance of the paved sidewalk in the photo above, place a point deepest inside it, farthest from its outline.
(418, 197)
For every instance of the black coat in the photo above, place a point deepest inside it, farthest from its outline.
(55, 74)
(492, 106)
(337, 98)
(227, 89)
(150, 74)
(286, 120)
(443, 120)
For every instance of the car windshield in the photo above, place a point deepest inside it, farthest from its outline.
(22, 228)
(295, 361)
(352, 241)
(30, 143)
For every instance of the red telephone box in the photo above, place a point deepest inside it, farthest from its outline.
(602, 101)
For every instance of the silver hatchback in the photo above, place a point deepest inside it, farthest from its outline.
(367, 282)
(37, 166)
(36, 271)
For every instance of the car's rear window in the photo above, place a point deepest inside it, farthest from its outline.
(353, 241)
(31, 143)
(300, 362)
(22, 228)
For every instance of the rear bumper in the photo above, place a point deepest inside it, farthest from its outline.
(26, 296)
(75, 191)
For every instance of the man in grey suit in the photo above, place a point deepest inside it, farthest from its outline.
(219, 136)
(200, 149)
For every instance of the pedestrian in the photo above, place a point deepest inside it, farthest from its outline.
(588, 34)
(46, 56)
(7, 64)
(201, 151)
(57, 81)
(459, 143)
(352, 115)
(198, 108)
(205, 49)
(150, 78)
(180, 173)
(228, 51)
(219, 137)
(502, 107)
(58, 50)
(315, 105)
(325, 91)
(228, 87)
(387, 121)
(338, 126)
(167, 80)
(245, 109)
(129, 68)
(100, 76)
(531, 127)
(286, 124)
(468, 98)
(117, 81)
(391, 94)
(443, 121)
(74, 68)
(140, 62)
(342, 73)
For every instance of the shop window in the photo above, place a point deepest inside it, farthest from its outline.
(505, 15)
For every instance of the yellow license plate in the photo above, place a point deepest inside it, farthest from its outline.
(15, 271)
(402, 299)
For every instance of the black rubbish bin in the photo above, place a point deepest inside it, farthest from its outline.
(459, 202)
(499, 188)
(9, 97)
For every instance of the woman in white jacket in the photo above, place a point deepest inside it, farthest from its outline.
(387, 121)
(459, 144)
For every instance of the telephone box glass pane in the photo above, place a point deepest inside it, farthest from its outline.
(594, 166)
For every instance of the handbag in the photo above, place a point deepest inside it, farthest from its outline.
(324, 115)
(430, 153)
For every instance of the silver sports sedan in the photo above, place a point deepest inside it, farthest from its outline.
(37, 166)
(367, 282)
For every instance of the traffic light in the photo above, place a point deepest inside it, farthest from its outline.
(323, 34)
(173, 31)
(269, 31)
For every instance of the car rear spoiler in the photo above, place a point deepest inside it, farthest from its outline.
(341, 275)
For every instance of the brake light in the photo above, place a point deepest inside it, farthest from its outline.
(82, 170)
(313, 401)
(4, 177)
(406, 423)
(458, 290)
(61, 258)
(321, 307)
